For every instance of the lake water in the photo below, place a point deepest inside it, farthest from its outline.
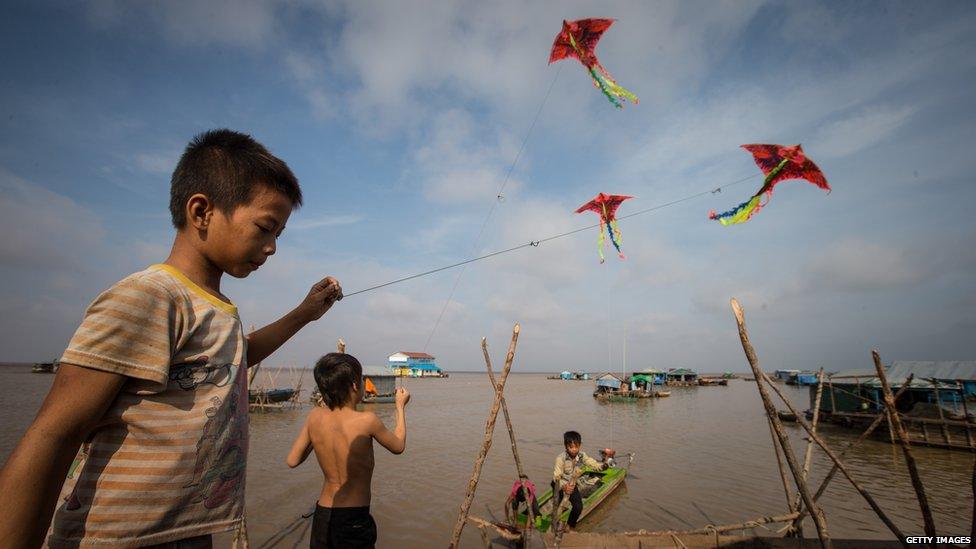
(703, 456)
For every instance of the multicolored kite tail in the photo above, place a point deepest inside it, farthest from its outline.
(579, 39)
(779, 163)
(606, 207)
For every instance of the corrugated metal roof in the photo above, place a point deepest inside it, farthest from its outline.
(413, 355)
(899, 371)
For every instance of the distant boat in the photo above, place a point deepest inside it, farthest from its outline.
(270, 396)
(45, 367)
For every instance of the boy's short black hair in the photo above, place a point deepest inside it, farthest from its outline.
(572, 436)
(226, 166)
(335, 374)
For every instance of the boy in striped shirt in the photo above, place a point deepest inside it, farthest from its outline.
(154, 381)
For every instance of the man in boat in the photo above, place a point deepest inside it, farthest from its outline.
(569, 466)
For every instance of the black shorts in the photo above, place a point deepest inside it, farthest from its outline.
(342, 527)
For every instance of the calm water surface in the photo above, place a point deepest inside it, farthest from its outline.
(703, 456)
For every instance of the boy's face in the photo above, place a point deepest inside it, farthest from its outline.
(240, 242)
(572, 449)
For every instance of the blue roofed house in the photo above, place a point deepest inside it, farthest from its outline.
(405, 363)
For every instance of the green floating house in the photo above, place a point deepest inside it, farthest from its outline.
(681, 376)
(860, 390)
(648, 377)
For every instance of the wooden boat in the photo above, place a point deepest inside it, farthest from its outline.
(272, 395)
(594, 487)
(44, 367)
(786, 415)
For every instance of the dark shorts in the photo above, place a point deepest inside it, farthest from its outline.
(342, 527)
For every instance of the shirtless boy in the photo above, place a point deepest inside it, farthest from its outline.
(342, 439)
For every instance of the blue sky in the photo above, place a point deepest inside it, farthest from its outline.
(402, 119)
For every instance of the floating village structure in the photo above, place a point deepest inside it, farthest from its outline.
(784, 375)
(406, 363)
(380, 384)
(681, 376)
(934, 406)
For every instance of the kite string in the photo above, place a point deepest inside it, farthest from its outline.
(498, 198)
(535, 243)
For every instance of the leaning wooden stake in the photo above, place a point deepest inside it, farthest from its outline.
(801, 485)
(486, 445)
(782, 470)
(798, 524)
(837, 461)
(867, 432)
(511, 435)
(508, 419)
(923, 501)
(341, 346)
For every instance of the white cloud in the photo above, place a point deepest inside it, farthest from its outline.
(43, 229)
(859, 131)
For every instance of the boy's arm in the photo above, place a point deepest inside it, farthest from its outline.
(301, 448)
(31, 479)
(262, 343)
(592, 463)
(395, 441)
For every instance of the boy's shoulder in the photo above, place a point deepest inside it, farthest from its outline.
(154, 279)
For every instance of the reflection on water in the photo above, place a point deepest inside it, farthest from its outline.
(703, 456)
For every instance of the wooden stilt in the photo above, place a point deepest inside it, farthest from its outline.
(782, 470)
(486, 445)
(889, 400)
(837, 461)
(874, 425)
(965, 413)
(816, 512)
(938, 404)
(511, 433)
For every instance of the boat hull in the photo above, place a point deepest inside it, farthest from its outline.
(606, 483)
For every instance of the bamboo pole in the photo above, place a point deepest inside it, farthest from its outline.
(782, 470)
(486, 445)
(508, 419)
(923, 501)
(723, 528)
(798, 524)
(511, 435)
(801, 485)
(341, 346)
(938, 404)
(837, 461)
(833, 403)
(867, 432)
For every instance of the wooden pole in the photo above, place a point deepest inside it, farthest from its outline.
(833, 470)
(508, 419)
(923, 501)
(486, 445)
(798, 524)
(801, 485)
(965, 413)
(782, 470)
(341, 346)
(709, 529)
(833, 403)
(938, 404)
(511, 435)
(837, 461)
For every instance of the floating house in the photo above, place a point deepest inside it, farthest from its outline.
(938, 406)
(411, 364)
(380, 384)
(803, 378)
(566, 375)
(784, 375)
(655, 376)
(681, 376)
(608, 383)
(581, 376)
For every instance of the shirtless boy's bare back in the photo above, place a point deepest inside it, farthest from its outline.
(342, 439)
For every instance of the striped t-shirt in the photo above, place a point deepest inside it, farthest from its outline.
(167, 460)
